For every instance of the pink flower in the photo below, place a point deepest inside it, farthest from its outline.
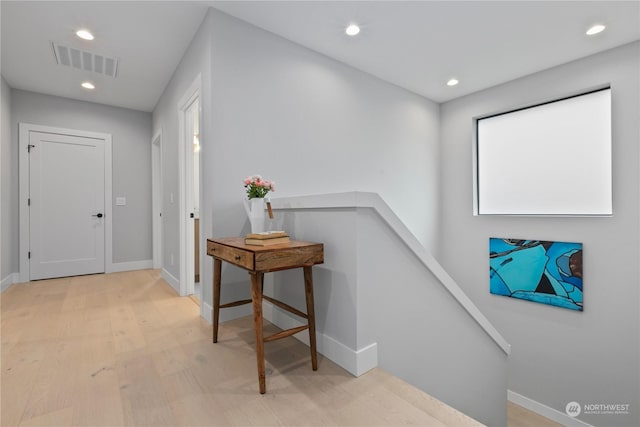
(257, 187)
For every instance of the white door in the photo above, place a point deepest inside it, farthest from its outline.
(66, 206)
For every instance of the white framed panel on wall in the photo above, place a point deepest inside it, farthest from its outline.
(551, 159)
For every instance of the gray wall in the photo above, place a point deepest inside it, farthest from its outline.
(314, 125)
(131, 140)
(310, 123)
(335, 281)
(372, 289)
(8, 174)
(196, 61)
(424, 335)
(558, 355)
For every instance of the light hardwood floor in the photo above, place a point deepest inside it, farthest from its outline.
(517, 416)
(123, 349)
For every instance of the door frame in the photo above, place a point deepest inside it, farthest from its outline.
(23, 181)
(157, 189)
(185, 174)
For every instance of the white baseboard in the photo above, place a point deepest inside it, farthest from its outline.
(171, 280)
(366, 358)
(544, 410)
(206, 312)
(8, 281)
(355, 362)
(132, 265)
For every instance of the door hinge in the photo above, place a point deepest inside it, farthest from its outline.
(29, 255)
(28, 202)
(29, 147)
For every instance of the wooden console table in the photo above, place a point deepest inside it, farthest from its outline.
(258, 260)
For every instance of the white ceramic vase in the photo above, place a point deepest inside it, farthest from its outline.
(256, 213)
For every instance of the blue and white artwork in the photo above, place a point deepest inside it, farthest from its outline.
(537, 270)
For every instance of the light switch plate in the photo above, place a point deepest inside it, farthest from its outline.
(121, 201)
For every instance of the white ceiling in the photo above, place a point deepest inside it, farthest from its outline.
(417, 45)
(420, 45)
(148, 38)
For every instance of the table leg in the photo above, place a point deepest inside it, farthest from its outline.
(256, 296)
(311, 314)
(217, 272)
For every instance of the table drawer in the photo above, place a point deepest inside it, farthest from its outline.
(289, 257)
(232, 255)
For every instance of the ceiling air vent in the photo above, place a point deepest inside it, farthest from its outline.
(83, 60)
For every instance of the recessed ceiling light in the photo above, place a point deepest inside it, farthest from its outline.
(452, 82)
(598, 28)
(88, 85)
(84, 34)
(352, 30)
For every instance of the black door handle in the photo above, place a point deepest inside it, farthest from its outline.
(98, 215)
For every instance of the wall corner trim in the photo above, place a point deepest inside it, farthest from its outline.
(359, 199)
(7, 282)
(206, 311)
(171, 280)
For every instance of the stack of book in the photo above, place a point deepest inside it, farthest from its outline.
(266, 238)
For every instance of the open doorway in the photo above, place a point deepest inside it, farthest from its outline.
(194, 110)
(156, 194)
(189, 114)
